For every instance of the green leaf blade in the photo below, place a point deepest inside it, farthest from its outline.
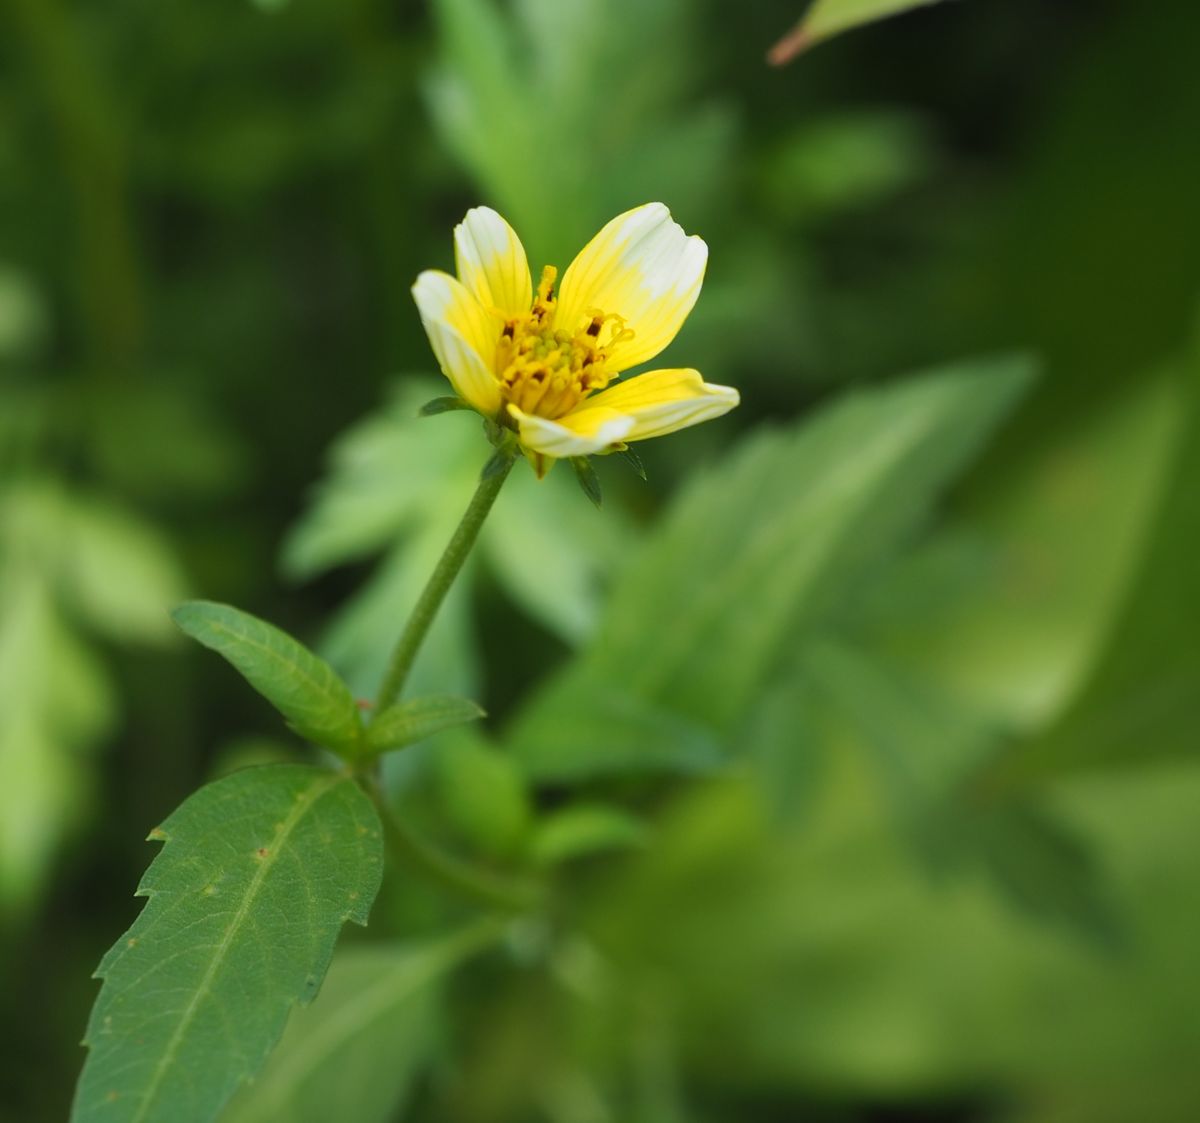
(258, 873)
(803, 517)
(408, 722)
(300, 685)
(584, 829)
(753, 560)
(364, 1041)
(580, 728)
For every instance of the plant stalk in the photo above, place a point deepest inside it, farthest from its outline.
(405, 843)
(441, 579)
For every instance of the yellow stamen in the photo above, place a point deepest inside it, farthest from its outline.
(547, 369)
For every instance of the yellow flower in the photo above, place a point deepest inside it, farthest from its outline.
(546, 363)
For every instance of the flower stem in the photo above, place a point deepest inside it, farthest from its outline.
(406, 844)
(442, 578)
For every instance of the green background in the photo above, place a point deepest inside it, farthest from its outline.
(929, 850)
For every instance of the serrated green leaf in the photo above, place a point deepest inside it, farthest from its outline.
(363, 1041)
(300, 685)
(407, 722)
(258, 873)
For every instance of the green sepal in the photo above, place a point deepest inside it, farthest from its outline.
(588, 480)
(304, 688)
(499, 436)
(442, 405)
(408, 722)
(633, 460)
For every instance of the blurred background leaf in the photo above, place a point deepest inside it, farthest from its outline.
(69, 564)
(910, 837)
(826, 18)
(747, 564)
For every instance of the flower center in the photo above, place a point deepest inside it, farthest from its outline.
(547, 369)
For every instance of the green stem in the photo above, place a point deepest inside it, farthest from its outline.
(442, 578)
(446, 870)
(405, 843)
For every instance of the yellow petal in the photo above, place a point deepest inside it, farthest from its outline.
(643, 267)
(661, 401)
(463, 337)
(578, 434)
(491, 262)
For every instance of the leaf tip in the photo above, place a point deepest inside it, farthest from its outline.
(634, 461)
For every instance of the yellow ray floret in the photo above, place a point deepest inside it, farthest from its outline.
(546, 363)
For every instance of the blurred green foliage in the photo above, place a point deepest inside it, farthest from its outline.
(860, 742)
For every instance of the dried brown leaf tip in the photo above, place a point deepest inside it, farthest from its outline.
(793, 44)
